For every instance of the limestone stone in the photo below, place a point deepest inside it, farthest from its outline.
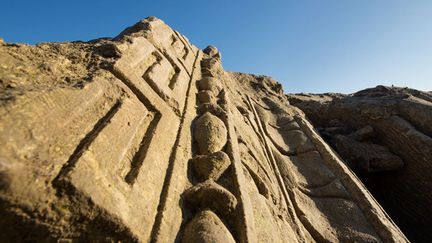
(212, 52)
(206, 227)
(210, 195)
(206, 96)
(385, 129)
(211, 166)
(146, 138)
(212, 108)
(367, 156)
(210, 83)
(210, 133)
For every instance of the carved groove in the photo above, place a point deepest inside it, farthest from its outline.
(251, 153)
(139, 156)
(169, 147)
(259, 183)
(183, 40)
(87, 140)
(291, 208)
(168, 177)
(154, 83)
(177, 70)
(175, 38)
(159, 85)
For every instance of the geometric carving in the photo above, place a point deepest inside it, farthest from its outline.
(154, 155)
(159, 69)
(149, 125)
(320, 200)
(122, 163)
(184, 50)
(179, 46)
(162, 75)
(132, 164)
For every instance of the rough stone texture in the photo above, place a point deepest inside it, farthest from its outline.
(211, 166)
(384, 135)
(212, 84)
(210, 195)
(210, 133)
(206, 227)
(103, 141)
(366, 156)
(212, 51)
(206, 96)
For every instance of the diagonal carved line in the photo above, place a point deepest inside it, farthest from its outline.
(261, 143)
(140, 155)
(259, 183)
(172, 80)
(159, 54)
(251, 153)
(187, 51)
(177, 70)
(258, 103)
(153, 84)
(175, 66)
(87, 140)
(177, 73)
(135, 90)
(158, 59)
(168, 177)
(186, 43)
(293, 210)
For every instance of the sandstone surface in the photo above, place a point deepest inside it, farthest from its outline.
(146, 138)
(384, 134)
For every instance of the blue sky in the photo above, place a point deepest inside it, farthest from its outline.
(307, 45)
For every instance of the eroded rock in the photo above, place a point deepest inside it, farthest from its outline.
(212, 52)
(206, 96)
(210, 195)
(211, 166)
(210, 83)
(206, 227)
(366, 132)
(385, 130)
(210, 63)
(210, 133)
(128, 133)
(368, 156)
(213, 108)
